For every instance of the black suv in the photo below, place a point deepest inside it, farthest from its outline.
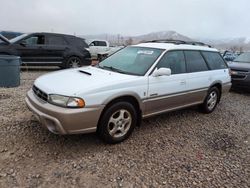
(65, 51)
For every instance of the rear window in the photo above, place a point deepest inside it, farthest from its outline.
(214, 60)
(195, 61)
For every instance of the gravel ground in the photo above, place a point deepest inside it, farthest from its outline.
(178, 149)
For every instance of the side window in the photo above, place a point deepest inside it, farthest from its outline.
(195, 61)
(174, 60)
(56, 40)
(102, 43)
(35, 40)
(214, 60)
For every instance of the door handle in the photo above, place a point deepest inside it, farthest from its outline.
(183, 82)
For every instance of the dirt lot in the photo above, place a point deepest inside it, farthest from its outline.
(179, 149)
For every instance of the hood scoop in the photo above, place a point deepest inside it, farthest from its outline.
(85, 72)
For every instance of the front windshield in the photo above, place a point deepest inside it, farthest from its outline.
(132, 60)
(18, 38)
(245, 58)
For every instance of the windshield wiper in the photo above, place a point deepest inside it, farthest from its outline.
(116, 70)
(113, 69)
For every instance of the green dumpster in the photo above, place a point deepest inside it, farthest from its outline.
(9, 71)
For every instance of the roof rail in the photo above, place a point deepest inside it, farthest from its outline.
(179, 42)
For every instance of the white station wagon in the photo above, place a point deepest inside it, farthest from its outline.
(136, 82)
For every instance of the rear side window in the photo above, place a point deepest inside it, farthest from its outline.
(195, 61)
(98, 43)
(102, 43)
(56, 40)
(214, 60)
(174, 60)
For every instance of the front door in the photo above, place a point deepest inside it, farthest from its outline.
(167, 92)
(31, 49)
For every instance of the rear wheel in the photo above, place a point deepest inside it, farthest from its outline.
(117, 122)
(211, 100)
(73, 62)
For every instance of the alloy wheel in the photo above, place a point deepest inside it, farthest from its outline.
(119, 123)
(74, 62)
(212, 100)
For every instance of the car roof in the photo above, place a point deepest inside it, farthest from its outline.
(55, 34)
(172, 46)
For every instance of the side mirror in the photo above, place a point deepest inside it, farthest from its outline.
(162, 72)
(23, 43)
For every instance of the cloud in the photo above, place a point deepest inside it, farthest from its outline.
(195, 18)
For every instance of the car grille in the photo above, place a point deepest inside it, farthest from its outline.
(39, 93)
(240, 74)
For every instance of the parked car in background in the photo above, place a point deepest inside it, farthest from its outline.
(137, 82)
(229, 56)
(48, 49)
(10, 34)
(240, 71)
(100, 49)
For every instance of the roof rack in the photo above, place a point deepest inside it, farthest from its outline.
(179, 42)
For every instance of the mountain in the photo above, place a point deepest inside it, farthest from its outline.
(234, 44)
(172, 35)
(119, 39)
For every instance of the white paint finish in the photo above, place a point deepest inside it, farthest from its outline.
(95, 88)
(102, 85)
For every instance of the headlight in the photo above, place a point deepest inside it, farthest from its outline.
(64, 101)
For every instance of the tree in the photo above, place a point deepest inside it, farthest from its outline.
(129, 41)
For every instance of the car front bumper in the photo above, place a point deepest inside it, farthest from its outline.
(64, 120)
(241, 83)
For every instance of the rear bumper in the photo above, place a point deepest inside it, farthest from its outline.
(63, 120)
(226, 87)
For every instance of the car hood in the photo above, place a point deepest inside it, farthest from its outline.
(239, 65)
(73, 82)
(5, 40)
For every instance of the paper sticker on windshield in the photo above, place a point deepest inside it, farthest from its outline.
(146, 52)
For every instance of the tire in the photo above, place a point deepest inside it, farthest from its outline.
(117, 122)
(73, 62)
(211, 100)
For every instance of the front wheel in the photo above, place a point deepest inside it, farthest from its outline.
(211, 100)
(117, 123)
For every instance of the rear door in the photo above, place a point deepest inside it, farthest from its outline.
(55, 48)
(168, 92)
(199, 78)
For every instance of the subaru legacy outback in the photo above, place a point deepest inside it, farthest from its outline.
(137, 82)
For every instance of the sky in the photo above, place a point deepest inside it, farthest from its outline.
(209, 19)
